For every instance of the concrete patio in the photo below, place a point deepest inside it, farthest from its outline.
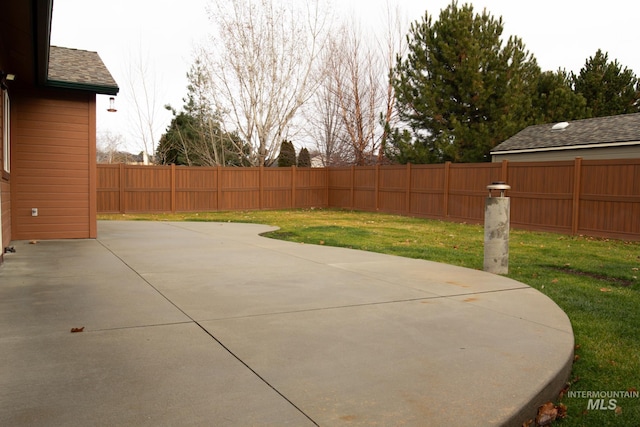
(211, 324)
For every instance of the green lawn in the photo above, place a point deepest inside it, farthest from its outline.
(595, 281)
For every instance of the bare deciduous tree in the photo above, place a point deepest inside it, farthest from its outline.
(263, 60)
(325, 126)
(354, 73)
(356, 100)
(143, 92)
(394, 45)
(108, 147)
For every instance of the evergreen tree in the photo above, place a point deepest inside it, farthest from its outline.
(287, 155)
(195, 136)
(177, 143)
(304, 158)
(459, 90)
(556, 101)
(607, 88)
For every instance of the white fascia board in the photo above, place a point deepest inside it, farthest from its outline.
(568, 147)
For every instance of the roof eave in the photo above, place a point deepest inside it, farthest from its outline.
(565, 147)
(43, 15)
(99, 89)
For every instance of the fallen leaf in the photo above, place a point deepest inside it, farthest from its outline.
(322, 242)
(527, 423)
(33, 242)
(618, 410)
(562, 411)
(554, 281)
(547, 414)
(576, 357)
(73, 330)
(564, 391)
(605, 290)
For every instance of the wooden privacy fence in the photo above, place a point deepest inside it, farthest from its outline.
(591, 197)
(125, 188)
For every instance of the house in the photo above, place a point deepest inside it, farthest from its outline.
(613, 137)
(48, 128)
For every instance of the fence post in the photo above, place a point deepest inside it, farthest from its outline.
(173, 188)
(577, 183)
(447, 169)
(407, 202)
(121, 189)
(504, 172)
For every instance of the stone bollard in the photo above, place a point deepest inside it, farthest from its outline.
(496, 230)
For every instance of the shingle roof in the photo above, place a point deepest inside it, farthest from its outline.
(599, 130)
(79, 69)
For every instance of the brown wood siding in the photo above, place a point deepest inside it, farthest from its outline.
(53, 162)
(5, 213)
(5, 190)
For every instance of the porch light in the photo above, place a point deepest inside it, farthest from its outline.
(112, 108)
(6, 77)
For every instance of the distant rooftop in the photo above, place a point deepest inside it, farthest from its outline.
(79, 69)
(623, 128)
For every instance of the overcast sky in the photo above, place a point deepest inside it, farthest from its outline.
(559, 33)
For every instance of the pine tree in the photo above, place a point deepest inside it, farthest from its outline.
(304, 158)
(607, 88)
(459, 90)
(287, 156)
(555, 100)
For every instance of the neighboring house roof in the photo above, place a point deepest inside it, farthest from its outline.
(588, 133)
(79, 69)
